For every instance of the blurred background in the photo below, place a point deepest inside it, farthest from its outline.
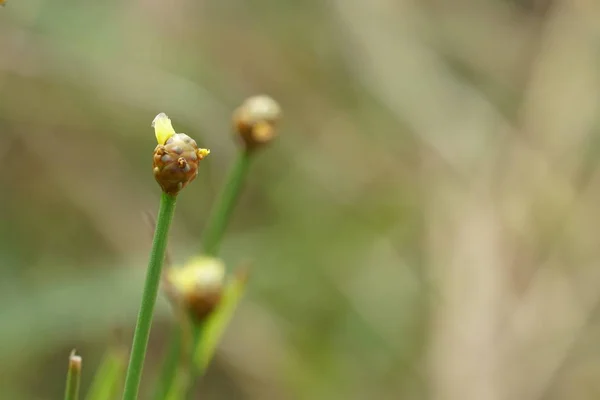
(425, 227)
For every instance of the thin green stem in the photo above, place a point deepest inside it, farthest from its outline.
(221, 213)
(144, 321)
(211, 240)
(109, 375)
(73, 377)
(170, 365)
(215, 229)
(194, 368)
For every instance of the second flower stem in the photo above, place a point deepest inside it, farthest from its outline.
(211, 240)
(144, 321)
(221, 212)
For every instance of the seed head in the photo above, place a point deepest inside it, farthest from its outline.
(176, 158)
(255, 120)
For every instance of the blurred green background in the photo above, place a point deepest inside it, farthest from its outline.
(425, 226)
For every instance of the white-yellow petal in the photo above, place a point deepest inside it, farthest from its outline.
(199, 274)
(163, 129)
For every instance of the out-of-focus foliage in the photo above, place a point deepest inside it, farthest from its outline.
(425, 225)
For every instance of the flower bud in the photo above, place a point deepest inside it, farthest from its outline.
(255, 120)
(197, 286)
(176, 158)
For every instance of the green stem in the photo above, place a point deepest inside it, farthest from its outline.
(144, 321)
(211, 241)
(170, 365)
(194, 368)
(109, 376)
(221, 213)
(73, 377)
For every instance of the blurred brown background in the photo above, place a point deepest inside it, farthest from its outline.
(426, 226)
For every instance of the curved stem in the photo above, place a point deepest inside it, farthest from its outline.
(221, 213)
(144, 321)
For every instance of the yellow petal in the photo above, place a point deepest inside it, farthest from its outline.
(202, 153)
(162, 128)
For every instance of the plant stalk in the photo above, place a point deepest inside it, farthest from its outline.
(153, 274)
(194, 368)
(170, 365)
(109, 375)
(221, 212)
(211, 240)
(73, 377)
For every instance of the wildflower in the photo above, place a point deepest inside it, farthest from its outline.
(176, 158)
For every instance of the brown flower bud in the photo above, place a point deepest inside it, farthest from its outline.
(176, 158)
(255, 121)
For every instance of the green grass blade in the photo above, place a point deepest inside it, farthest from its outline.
(109, 377)
(216, 323)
